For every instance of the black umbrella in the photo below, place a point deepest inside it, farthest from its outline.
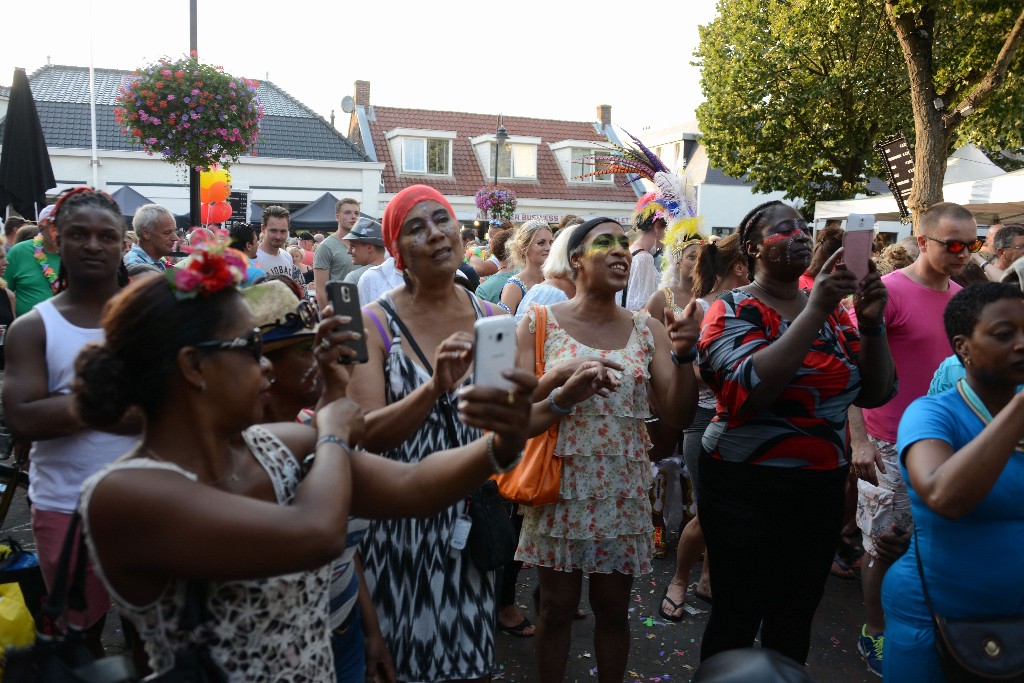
(25, 170)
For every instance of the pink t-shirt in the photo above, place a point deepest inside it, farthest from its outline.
(917, 339)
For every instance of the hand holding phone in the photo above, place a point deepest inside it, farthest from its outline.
(494, 350)
(857, 242)
(344, 297)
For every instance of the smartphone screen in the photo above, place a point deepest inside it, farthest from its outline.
(857, 243)
(344, 298)
(494, 350)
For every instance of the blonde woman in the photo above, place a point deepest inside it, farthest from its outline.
(297, 255)
(528, 248)
(558, 284)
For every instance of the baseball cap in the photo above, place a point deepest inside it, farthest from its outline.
(46, 214)
(366, 230)
(305, 236)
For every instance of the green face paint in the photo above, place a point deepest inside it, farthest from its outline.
(602, 244)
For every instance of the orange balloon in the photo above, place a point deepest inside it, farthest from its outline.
(218, 192)
(204, 195)
(220, 212)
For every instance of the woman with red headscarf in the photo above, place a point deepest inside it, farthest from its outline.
(436, 609)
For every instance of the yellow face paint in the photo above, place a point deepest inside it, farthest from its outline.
(602, 244)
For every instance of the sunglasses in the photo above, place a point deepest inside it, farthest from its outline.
(957, 247)
(252, 342)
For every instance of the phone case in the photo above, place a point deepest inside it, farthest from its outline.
(857, 251)
(344, 298)
(494, 351)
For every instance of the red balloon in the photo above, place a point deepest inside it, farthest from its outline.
(220, 212)
(217, 192)
(204, 213)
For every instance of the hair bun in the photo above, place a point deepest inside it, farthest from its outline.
(101, 386)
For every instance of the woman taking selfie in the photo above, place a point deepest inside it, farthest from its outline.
(202, 505)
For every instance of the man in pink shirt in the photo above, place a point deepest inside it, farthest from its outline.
(918, 295)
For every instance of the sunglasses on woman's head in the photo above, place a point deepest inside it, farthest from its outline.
(956, 246)
(252, 342)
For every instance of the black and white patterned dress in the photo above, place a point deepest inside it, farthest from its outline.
(436, 610)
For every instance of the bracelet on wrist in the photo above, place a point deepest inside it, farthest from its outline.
(331, 438)
(492, 458)
(555, 408)
(685, 359)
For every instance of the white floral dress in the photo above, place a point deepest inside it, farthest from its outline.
(601, 522)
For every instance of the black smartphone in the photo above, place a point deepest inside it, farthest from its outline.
(344, 298)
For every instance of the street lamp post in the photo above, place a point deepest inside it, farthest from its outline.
(500, 137)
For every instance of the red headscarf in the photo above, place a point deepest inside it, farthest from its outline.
(399, 207)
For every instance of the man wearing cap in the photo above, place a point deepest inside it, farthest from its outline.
(331, 261)
(307, 244)
(365, 246)
(32, 266)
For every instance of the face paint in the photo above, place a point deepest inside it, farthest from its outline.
(603, 244)
(784, 242)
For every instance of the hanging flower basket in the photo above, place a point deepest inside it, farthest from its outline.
(496, 200)
(190, 113)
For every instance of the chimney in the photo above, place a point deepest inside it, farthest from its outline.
(363, 93)
(604, 114)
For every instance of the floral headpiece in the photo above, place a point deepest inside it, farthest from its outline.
(209, 268)
(669, 199)
(683, 233)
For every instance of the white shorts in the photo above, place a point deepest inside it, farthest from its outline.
(877, 510)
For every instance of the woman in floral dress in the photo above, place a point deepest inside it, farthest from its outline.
(600, 358)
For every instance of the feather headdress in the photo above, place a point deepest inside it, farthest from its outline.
(669, 200)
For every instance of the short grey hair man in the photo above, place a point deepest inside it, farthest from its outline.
(154, 225)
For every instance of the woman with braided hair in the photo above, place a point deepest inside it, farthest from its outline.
(784, 367)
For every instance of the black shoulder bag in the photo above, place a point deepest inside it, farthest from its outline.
(492, 537)
(61, 656)
(974, 650)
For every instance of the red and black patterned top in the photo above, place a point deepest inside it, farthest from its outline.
(806, 426)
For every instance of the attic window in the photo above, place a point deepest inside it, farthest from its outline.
(516, 161)
(582, 164)
(426, 155)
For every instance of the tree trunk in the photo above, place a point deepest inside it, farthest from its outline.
(915, 32)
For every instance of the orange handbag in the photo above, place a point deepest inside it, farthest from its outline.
(535, 480)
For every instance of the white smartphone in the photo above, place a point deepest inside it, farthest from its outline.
(857, 242)
(494, 350)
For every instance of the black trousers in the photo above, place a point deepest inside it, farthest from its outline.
(773, 532)
(510, 572)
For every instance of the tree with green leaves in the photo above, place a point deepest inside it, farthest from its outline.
(797, 91)
(963, 64)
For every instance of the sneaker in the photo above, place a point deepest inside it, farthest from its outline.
(870, 649)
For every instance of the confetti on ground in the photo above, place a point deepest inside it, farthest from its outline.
(588, 656)
(650, 636)
(835, 642)
(690, 609)
(649, 622)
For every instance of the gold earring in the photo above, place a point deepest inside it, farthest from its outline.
(967, 361)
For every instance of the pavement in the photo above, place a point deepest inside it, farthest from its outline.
(659, 650)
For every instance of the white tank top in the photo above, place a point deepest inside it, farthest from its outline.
(60, 466)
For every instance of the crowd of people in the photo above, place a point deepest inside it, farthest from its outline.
(319, 507)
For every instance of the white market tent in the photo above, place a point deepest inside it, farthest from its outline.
(991, 194)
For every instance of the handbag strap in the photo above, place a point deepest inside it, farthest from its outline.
(64, 594)
(920, 571)
(540, 328)
(445, 405)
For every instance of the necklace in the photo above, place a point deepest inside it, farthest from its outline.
(48, 272)
(234, 467)
(755, 283)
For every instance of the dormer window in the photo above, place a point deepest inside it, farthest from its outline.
(583, 163)
(426, 155)
(516, 161)
(517, 158)
(422, 152)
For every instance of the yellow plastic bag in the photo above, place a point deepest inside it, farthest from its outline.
(17, 627)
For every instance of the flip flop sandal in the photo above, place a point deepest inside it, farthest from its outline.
(675, 606)
(518, 629)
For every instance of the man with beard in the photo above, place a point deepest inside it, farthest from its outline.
(271, 255)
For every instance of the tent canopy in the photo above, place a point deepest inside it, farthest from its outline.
(130, 200)
(318, 215)
(991, 200)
